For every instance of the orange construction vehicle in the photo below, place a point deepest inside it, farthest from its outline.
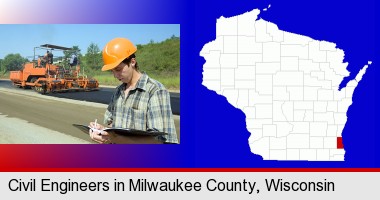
(44, 76)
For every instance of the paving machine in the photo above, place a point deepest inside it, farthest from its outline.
(45, 75)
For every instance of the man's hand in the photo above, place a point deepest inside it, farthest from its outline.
(98, 135)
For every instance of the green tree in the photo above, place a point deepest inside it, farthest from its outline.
(12, 62)
(93, 58)
(1, 66)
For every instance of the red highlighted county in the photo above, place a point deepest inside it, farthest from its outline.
(339, 143)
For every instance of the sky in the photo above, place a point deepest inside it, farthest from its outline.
(22, 38)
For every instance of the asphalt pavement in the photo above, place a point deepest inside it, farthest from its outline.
(103, 95)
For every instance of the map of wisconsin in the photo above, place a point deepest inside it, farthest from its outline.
(286, 84)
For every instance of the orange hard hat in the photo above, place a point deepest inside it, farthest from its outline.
(116, 51)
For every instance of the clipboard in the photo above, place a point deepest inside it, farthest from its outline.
(122, 131)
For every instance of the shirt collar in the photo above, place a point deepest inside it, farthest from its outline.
(141, 83)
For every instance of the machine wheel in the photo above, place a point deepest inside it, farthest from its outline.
(33, 79)
(42, 89)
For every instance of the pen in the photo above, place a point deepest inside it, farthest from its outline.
(96, 129)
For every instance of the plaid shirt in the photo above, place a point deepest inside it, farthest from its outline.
(147, 106)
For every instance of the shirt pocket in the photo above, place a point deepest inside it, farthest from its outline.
(136, 119)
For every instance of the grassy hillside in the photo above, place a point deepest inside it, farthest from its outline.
(160, 58)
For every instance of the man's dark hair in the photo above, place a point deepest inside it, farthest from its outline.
(128, 60)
